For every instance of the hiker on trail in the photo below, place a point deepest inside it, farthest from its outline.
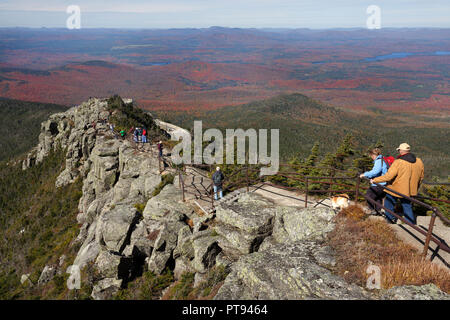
(404, 176)
(160, 149)
(144, 135)
(122, 134)
(218, 180)
(135, 135)
(376, 193)
(111, 127)
(139, 134)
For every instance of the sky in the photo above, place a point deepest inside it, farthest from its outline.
(314, 14)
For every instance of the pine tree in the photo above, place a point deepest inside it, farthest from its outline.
(345, 150)
(311, 160)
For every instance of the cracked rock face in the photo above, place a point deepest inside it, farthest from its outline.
(69, 131)
(286, 271)
(272, 252)
(292, 224)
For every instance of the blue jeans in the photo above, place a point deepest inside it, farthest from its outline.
(218, 188)
(389, 203)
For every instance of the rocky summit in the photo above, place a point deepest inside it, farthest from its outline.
(269, 251)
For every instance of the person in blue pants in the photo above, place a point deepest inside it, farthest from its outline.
(218, 178)
(375, 192)
(404, 176)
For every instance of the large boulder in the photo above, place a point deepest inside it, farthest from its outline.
(168, 205)
(165, 243)
(115, 225)
(107, 264)
(206, 250)
(293, 224)
(106, 288)
(250, 213)
(286, 271)
(243, 223)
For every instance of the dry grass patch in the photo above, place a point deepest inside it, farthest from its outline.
(359, 241)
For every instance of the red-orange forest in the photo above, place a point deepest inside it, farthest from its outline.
(192, 69)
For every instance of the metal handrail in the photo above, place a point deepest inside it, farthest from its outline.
(313, 179)
(429, 234)
(415, 201)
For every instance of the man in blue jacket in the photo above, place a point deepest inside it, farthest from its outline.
(375, 192)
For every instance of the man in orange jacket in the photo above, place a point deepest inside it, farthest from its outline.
(404, 176)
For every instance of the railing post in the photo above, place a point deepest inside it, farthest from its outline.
(246, 173)
(212, 195)
(331, 181)
(182, 186)
(430, 232)
(306, 193)
(357, 188)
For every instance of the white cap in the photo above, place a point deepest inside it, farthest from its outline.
(217, 168)
(404, 147)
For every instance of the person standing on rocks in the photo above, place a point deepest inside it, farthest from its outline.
(135, 135)
(160, 149)
(375, 192)
(404, 176)
(218, 178)
(144, 136)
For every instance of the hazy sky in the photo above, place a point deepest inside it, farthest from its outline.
(227, 13)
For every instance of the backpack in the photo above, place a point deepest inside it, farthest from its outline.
(388, 160)
(217, 178)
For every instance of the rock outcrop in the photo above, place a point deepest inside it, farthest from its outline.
(270, 251)
(291, 262)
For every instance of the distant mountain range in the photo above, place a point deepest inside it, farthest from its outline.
(303, 121)
(192, 69)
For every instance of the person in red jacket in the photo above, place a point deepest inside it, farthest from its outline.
(144, 135)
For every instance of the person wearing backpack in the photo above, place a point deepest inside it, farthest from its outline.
(404, 176)
(218, 178)
(376, 193)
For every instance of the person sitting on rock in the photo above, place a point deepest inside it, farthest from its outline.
(218, 178)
